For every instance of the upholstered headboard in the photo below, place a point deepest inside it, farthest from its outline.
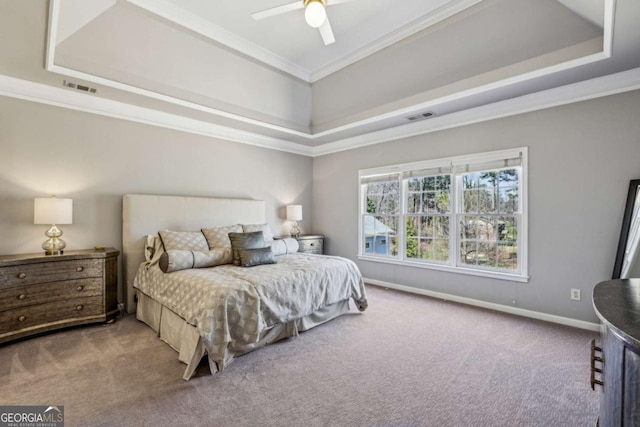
(147, 214)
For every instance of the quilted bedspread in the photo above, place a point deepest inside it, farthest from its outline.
(236, 304)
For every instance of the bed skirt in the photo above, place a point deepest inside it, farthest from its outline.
(184, 338)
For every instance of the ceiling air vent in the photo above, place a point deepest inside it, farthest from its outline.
(421, 116)
(80, 87)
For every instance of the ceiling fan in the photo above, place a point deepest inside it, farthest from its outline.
(315, 14)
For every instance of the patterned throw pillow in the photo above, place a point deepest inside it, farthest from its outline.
(218, 237)
(239, 241)
(175, 260)
(212, 258)
(259, 256)
(183, 241)
(266, 230)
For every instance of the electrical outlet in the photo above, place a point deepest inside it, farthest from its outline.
(575, 294)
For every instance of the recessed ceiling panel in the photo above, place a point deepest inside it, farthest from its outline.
(357, 25)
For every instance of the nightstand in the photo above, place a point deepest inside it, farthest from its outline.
(311, 243)
(40, 293)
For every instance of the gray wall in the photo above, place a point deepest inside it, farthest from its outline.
(94, 160)
(581, 159)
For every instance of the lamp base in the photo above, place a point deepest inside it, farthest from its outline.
(295, 230)
(55, 245)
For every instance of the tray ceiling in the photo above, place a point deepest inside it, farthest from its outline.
(208, 60)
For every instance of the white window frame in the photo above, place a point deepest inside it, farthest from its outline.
(454, 164)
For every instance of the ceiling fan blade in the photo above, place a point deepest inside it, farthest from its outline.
(327, 33)
(278, 10)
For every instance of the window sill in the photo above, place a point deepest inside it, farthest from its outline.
(448, 268)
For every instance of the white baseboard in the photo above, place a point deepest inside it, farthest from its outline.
(581, 324)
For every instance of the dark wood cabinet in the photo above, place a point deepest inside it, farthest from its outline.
(40, 293)
(616, 368)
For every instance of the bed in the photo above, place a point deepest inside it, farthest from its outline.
(227, 310)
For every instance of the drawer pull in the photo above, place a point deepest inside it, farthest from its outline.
(595, 370)
(22, 296)
(311, 244)
(79, 288)
(22, 275)
(79, 269)
(79, 307)
(22, 318)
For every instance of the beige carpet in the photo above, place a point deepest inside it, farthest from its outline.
(407, 361)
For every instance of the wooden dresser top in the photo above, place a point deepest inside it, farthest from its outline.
(33, 258)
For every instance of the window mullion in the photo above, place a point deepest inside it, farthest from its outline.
(402, 222)
(362, 210)
(454, 235)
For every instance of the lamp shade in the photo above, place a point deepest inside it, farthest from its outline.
(294, 213)
(51, 210)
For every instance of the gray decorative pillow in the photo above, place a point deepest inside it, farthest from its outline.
(259, 256)
(239, 241)
(218, 237)
(266, 230)
(183, 241)
(181, 260)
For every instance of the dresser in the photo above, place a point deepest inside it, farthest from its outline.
(615, 360)
(311, 243)
(40, 293)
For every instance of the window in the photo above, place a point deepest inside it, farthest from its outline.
(464, 214)
(381, 215)
(428, 216)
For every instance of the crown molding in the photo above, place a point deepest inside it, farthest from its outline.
(612, 84)
(68, 98)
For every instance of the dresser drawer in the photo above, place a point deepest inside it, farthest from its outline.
(42, 272)
(44, 315)
(23, 296)
(311, 246)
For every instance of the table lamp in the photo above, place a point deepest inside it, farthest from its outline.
(51, 210)
(294, 214)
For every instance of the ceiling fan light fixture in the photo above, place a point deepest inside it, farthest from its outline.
(315, 13)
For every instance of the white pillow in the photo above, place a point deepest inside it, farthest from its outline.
(284, 246)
